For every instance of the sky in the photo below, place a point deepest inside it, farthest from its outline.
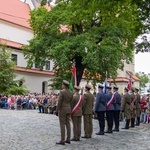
(142, 62)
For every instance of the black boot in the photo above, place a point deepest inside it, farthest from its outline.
(132, 122)
(127, 124)
(138, 121)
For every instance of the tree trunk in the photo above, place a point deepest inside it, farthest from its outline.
(79, 69)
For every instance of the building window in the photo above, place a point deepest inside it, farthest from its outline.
(37, 66)
(47, 66)
(14, 58)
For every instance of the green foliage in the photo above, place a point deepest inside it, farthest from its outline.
(7, 74)
(94, 35)
(143, 80)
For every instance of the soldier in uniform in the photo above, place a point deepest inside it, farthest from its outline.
(100, 109)
(109, 109)
(76, 107)
(63, 110)
(132, 107)
(88, 102)
(117, 108)
(125, 107)
(138, 107)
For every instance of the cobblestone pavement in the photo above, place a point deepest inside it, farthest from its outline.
(30, 130)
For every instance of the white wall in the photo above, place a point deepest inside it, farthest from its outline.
(21, 62)
(33, 81)
(15, 33)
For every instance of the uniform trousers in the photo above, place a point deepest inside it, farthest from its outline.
(88, 125)
(64, 120)
(101, 119)
(116, 118)
(109, 118)
(76, 127)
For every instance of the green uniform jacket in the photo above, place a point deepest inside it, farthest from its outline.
(88, 103)
(74, 101)
(64, 101)
(125, 106)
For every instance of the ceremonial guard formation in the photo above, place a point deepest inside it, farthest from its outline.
(108, 107)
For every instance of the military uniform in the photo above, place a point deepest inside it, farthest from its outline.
(117, 108)
(109, 110)
(138, 107)
(126, 108)
(100, 109)
(132, 108)
(64, 111)
(76, 115)
(88, 102)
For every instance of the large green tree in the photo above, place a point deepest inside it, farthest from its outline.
(8, 84)
(96, 36)
(143, 80)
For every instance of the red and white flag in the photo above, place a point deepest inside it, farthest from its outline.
(129, 86)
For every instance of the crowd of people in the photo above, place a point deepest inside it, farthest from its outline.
(44, 103)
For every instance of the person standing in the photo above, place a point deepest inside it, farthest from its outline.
(109, 109)
(100, 109)
(88, 102)
(132, 107)
(138, 107)
(63, 111)
(76, 114)
(125, 107)
(117, 108)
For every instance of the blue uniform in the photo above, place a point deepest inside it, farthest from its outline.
(109, 112)
(117, 102)
(100, 108)
(117, 108)
(100, 104)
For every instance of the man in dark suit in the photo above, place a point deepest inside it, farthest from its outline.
(117, 108)
(100, 109)
(88, 102)
(64, 111)
(109, 109)
(76, 107)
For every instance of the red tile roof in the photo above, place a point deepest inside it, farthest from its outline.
(36, 71)
(118, 79)
(133, 76)
(15, 11)
(10, 43)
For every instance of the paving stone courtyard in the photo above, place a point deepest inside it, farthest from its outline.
(30, 130)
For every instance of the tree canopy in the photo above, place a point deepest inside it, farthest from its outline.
(96, 36)
(8, 84)
(143, 80)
